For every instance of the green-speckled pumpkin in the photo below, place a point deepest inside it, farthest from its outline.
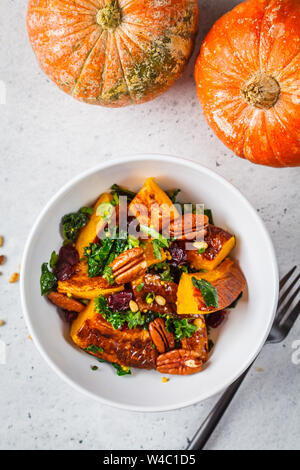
(113, 52)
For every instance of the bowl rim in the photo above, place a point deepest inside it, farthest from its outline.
(114, 162)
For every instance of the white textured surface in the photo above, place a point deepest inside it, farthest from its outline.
(46, 139)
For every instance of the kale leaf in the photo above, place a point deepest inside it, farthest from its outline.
(120, 191)
(235, 302)
(75, 221)
(208, 291)
(97, 256)
(121, 370)
(93, 348)
(53, 259)
(181, 328)
(208, 212)
(135, 319)
(164, 271)
(48, 281)
(173, 194)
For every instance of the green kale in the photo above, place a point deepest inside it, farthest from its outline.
(87, 210)
(164, 242)
(48, 281)
(75, 221)
(108, 274)
(102, 307)
(133, 241)
(94, 349)
(116, 319)
(173, 194)
(156, 248)
(53, 259)
(164, 271)
(135, 319)
(158, 241)
(121, 370)
(121, 243)
(120, 191)
(181, 328)
(208, 212)
(208, 291)
(235, 302)
(140, 287)
(97, 256)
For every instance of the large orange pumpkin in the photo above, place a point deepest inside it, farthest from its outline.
(113, 52)
(248, 81)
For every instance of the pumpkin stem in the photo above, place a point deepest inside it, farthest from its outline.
(262, 91)
(110, 16)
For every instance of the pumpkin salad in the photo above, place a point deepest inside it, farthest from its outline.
(142, 279)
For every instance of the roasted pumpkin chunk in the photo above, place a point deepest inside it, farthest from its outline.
(198, 342)
(227, 279)
(82, 286)
(219, 245)
(149, 254)
(89, 233)
(147, 287)
(131, 348)
(152, 206)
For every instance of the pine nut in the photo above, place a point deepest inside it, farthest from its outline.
(200, 245)
(133, 306)
(160, 300)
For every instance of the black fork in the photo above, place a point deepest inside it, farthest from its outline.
(286, 315)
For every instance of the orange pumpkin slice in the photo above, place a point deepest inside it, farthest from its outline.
(149, 254)
(84, 287)
(152, 206)
(228, 280)
(96, 223)
(131, 348)
(219, 245)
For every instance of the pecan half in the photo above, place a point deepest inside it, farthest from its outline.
(179, 361)
(188, 227)
(129, 265)
(163, 339)
(65, 302)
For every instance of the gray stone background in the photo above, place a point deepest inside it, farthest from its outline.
(46, 139)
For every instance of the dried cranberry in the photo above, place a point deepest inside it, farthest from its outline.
(215, 319)
(178, 253)
(68, 254)
(66, 315)
(67, 258)
(120, 301)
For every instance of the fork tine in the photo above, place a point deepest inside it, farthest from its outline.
(292, 317)
(288, 290)
(286, 277)
(284, 309)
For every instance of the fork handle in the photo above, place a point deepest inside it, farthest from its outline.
(209, 424)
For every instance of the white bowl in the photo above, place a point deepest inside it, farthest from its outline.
(239, 339)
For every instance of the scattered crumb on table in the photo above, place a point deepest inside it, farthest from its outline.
(14, 278)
